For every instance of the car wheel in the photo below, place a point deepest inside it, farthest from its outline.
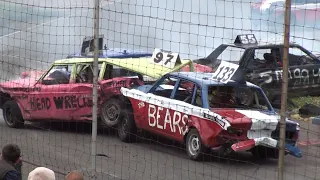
(194, 146)
(126, 127)
(110, 112)
(12, 114)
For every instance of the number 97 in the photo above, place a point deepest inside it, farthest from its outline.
(158, 58)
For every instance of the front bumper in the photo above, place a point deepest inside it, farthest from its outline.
(267, 142)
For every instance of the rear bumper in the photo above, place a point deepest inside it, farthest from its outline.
(267, 142)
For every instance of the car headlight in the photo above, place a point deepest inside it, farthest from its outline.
(233, 130)
(298, 127)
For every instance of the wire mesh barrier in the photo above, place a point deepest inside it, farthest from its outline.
(185, 89)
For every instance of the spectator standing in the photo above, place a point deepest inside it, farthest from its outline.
(41, 173)
(10, 158)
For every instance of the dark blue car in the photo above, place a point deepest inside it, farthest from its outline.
(104, 52)
(261, 62)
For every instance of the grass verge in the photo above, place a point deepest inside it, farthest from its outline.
(301, 101)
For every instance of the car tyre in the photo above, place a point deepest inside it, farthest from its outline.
(110, 112)
(126, 127)
(12, 114)
(194, 147)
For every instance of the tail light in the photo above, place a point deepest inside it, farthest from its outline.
(296, 136)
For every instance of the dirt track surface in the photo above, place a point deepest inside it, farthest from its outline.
(64, 147)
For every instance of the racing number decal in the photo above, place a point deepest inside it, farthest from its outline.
(246, 39)
(159, 58)
(165, 58)
(225, 72)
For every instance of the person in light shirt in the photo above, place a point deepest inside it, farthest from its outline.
(41, 173)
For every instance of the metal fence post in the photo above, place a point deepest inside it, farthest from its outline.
(95, 87)
(284, 90)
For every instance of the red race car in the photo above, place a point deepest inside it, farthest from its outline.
(211, 113)
(64, 92)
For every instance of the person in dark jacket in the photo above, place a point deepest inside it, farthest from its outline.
(10, 157)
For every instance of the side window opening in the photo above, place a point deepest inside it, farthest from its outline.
(107, 73)
(298, 57)
(113, 71)
(232, 54)
(120, 72)
(221, 96)
(59, 74)
(185, 91)
(165, 88)
(198, 98)
(242, 97)
(84, 73)
(270, 58)
(265, 59)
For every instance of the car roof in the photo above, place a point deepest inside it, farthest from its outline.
(112, 54)
(261, 45)
(139, 65)
(205, 79)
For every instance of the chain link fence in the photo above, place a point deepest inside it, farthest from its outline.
(38, 38)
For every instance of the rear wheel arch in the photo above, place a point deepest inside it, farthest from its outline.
(194, 145)
(16, 118)
(4, 97)
(185, 136)
(127, 128)
(194, 124)
(125, 102)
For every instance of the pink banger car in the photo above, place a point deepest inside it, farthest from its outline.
(64, 92)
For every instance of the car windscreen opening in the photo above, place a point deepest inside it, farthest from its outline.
(240, 97)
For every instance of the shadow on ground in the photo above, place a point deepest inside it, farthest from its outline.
(152, 142)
